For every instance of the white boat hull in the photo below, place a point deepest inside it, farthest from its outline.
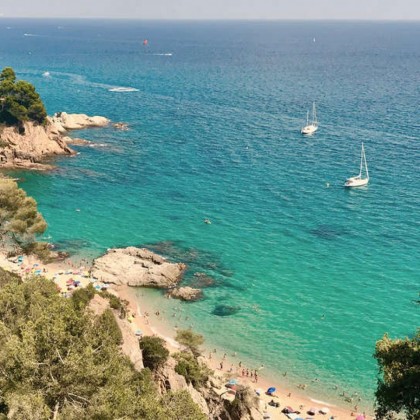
(356, 182)
(309, 129)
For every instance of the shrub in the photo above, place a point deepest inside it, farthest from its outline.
(191, 369)
(108, 328)
(190, 340)
(155, 354)
(81, 297)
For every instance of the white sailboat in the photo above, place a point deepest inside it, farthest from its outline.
(358, 181)
(310, 128)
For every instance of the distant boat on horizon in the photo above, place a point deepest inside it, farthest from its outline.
(310, 127)
(358, 181)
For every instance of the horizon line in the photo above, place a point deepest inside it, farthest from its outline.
(212, 19)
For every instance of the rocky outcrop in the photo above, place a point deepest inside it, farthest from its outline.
(169, 380)
(64, 122)
(130, 343)
(28, 146)
(137, 267)
(31, 146)
(185, 293)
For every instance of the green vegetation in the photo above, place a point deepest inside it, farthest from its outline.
(19, 101)
(180, 407)
(190, 340)
(191, 369)
(59, 361)
(82, 296)
(20, 220)
(155, 353)
(399, 387)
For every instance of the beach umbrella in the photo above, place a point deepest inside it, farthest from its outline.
(271, 390)
(360, 417)
(312, 411)
(139, 333)
(289, 409)
(324, 410)
(233, 381)
(258, 391)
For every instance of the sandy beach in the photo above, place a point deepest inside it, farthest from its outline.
(68, 275)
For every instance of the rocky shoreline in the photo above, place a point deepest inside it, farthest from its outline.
(141, 267)
(29, 146)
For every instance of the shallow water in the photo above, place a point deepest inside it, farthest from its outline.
(315, 273)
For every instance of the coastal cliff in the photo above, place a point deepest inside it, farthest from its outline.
(28, 145)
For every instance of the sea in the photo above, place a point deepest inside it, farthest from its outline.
(298, 274)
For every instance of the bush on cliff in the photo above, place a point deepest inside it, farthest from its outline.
(59, 361)
(19, 101)
(20, 220)
(399, 383)
(155, 353)
(191, 369)
(191, 340)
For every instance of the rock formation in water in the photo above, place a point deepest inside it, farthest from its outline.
(185, 293)
(137, 267)
(29, 145)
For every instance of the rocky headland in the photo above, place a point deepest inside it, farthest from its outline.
(29, 145)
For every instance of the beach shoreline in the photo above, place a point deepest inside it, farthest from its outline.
(287, 395)
(66, 272)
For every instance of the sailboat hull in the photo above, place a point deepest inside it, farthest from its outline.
(356, 182)
(309, 129)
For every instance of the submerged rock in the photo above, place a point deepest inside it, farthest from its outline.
(202, 280)
(120, 126)
(225, 310)
(137, 267)
(185, 293)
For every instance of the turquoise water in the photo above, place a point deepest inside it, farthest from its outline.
(313, 274)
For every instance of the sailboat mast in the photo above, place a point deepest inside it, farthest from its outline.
(313, 114)
(361, 161)
(364, 158)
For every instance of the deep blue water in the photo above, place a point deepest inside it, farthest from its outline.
(314, 273)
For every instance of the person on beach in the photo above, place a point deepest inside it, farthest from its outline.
(252, 375)
(247, 372)
(221, 365)
(240, 364)
(243, 372)
(256, 377)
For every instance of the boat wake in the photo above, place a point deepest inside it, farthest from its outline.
(78, 79)
(163, 54)
(123, 89)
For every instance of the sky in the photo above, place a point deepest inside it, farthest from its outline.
(215, 9)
